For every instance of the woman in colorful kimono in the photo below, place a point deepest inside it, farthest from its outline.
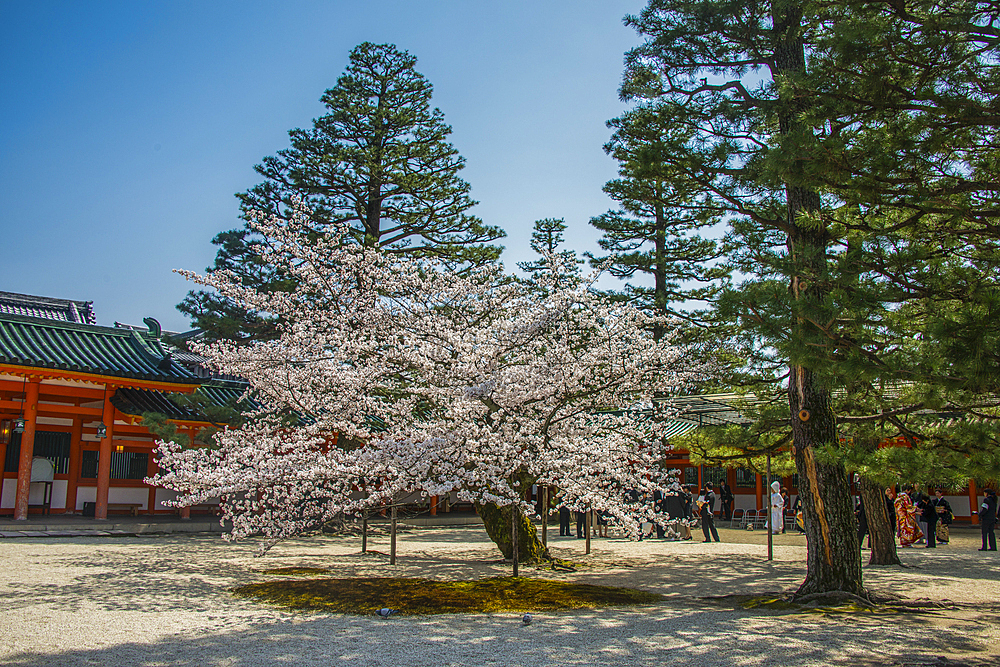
(906, 523)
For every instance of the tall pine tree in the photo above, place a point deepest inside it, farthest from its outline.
(380, 163)
(853, 148)
(653, 241)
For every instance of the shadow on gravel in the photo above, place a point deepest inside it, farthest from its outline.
(686, 637)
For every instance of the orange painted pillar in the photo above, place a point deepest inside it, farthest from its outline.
(973, 502)
(760, 492)
(27, 450)
(104, 456)
(434, 505)
(75, 449)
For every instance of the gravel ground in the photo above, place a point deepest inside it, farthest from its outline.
(165, 601)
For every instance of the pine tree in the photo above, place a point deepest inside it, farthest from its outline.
(378, 162)
(656, 232)
(852, 149)
(546, 241)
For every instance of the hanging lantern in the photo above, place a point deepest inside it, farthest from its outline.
(19, 425)
(6, 429)
(119, 448)
(102, 431)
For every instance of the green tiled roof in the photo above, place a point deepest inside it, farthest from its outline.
(213, 394)
(83, 348)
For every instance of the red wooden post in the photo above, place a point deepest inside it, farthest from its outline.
(104, 456)
(434, 505)
(75, 448)
(30, 407)
(760, 493)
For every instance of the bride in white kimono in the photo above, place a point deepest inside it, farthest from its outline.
(777, 508)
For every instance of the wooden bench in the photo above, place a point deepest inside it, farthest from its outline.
(132, 508)
(206, 508)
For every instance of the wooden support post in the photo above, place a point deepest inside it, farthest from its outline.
(104, 456)
(588, 516)
(760, 493)
(392, 535)
(75, 456)
(364, 535)
(770, 514)
(30, 407)
(545, 516)
(973, 502)
(514, 516)
(434, 505)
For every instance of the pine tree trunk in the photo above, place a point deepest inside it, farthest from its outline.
(881, 524)
(833, 560)
(834, 557)
(498, 527)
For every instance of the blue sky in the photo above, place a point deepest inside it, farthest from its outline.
(127, 127)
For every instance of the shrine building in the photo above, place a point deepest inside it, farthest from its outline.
(72, 395)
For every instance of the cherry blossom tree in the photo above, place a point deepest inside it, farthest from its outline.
(393, 376)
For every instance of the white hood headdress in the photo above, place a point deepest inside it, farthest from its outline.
(776, 485)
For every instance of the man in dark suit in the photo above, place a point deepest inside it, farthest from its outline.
(708, 514)
(564, 523)
(659, 506)
(726, 497)
(988, 520)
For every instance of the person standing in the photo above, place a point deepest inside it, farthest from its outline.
(708, 514)
(726, 498)
(659, 507)
(777, 508)
(581, 525)
(787, 502)
(797, 513)
(906, 525)
(565, 530)
(988, 520)
(945, 516)
(928, 514)
(862, 517)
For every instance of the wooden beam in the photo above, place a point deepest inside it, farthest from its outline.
(109, 380)
(52, 409)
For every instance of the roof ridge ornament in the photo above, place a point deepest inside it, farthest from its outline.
(155, 330)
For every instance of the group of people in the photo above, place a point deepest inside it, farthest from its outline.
(680, 504)
(922, 519)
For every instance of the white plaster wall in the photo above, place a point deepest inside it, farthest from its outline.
(85, 494)
(129, 494)
(746, 501)
(161, 495)
(959, 505)
(7, 493)
(36, 493)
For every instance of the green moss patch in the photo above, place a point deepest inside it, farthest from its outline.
(297, 571)
(425, 596)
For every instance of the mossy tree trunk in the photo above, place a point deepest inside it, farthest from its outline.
(498, 525)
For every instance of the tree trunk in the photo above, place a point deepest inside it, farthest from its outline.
(881, 524)
(833, 563)
(833, 560)
(498, 526)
